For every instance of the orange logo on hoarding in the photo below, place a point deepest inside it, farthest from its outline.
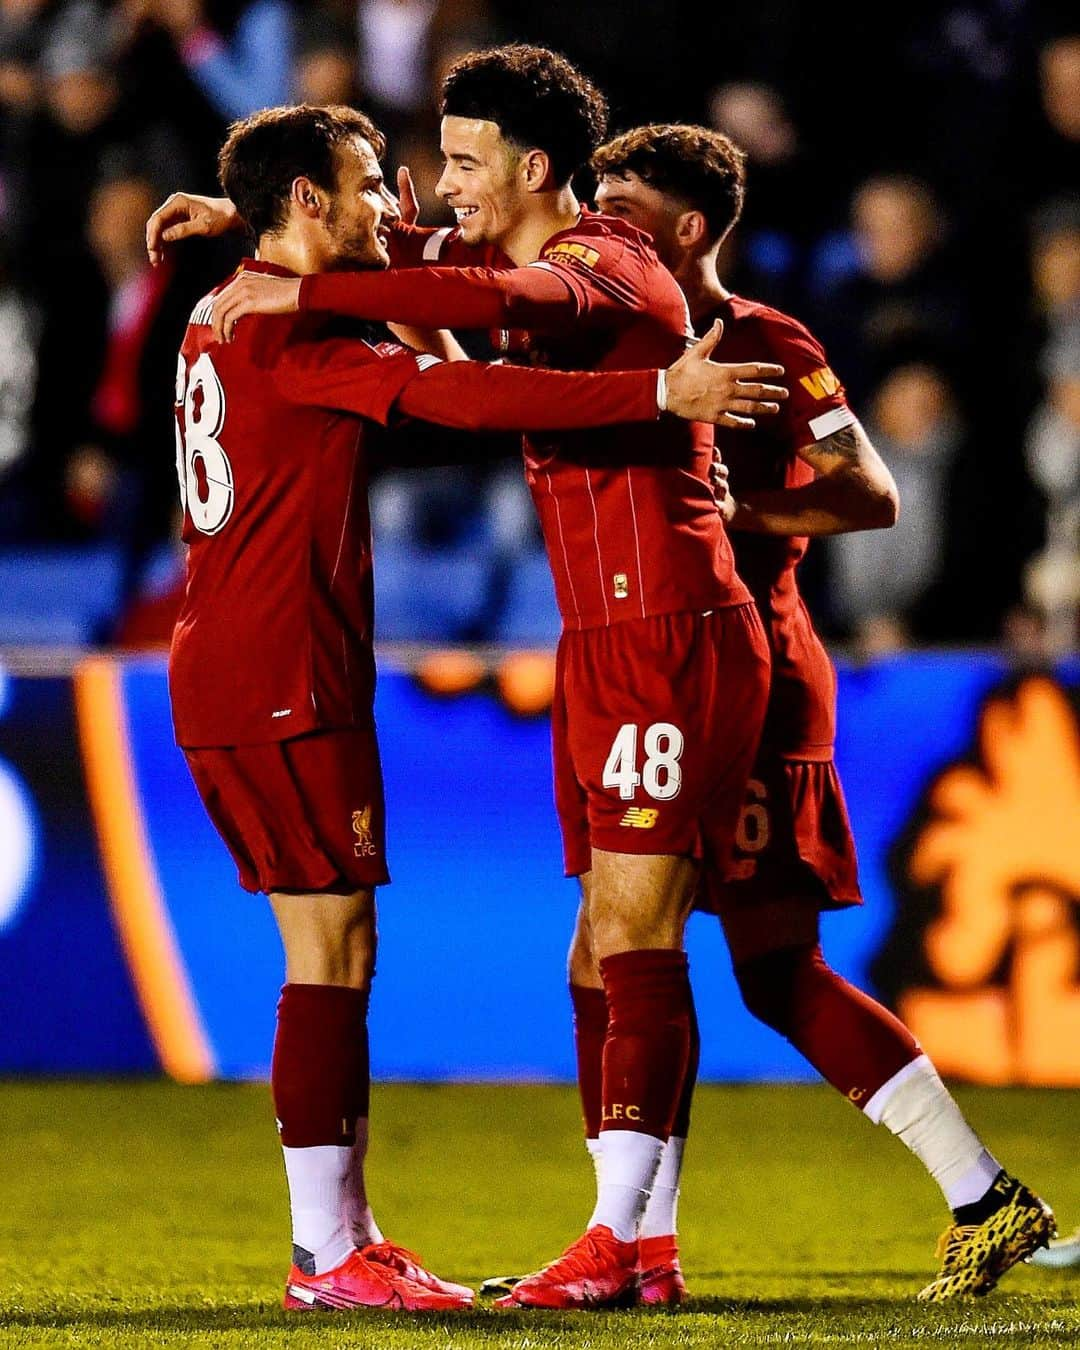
(995, 867)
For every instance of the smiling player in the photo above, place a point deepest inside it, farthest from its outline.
(272, 671)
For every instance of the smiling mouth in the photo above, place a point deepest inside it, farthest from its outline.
(464, 212)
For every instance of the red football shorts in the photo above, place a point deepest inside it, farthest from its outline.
(299, 815)
(655, 727)
(794, 856)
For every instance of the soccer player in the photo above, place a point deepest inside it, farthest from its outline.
(663, 665)
(271, 669)
(810, 471)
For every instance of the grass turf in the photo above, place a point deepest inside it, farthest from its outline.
(144, 1214)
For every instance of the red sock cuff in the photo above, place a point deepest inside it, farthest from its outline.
(590, 1029)
(681, 1125)
(648, 1039)
(319, 1075)
(651, 975)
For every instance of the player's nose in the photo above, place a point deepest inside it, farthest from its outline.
(390, 210)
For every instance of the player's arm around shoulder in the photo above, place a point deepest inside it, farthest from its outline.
(852, 487)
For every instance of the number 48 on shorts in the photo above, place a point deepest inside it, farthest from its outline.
(660, 774)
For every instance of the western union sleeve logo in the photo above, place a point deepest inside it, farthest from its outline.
(820, 383)
(580, 252)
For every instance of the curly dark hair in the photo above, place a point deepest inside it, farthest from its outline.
(538, 100)
(265, 152)
(703, 167)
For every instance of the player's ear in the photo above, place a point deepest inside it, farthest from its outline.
(691, 229)
(536, 170)
(306, 196)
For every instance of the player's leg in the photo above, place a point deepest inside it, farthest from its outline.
(319, 1072)
(660, 1274)
(869, 1056)
(303, 820)
(590, 1008)
(659, 720)
(637, 913)
(803, 858)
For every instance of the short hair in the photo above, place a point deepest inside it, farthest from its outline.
(537, 99)
(265, 153)
(703, 167)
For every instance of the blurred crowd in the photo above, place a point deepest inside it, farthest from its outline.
(913, 196)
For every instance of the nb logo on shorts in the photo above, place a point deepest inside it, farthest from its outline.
(361, 824)
(640, 818)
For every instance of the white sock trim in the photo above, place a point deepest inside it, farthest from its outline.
(876, 1105)
(922, 1114)
(661, 1213)
(630, 1162)
(317, 1178)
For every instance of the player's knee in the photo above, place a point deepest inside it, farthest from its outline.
(581, 964)
(613, 931)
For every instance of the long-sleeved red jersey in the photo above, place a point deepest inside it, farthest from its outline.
(274, 637)
(800, 723)
(628, 515)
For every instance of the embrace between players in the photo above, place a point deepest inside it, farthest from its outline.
(685, 774)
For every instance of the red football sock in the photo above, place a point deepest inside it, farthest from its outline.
(852, 1041)
(648, 1039)
(681, 1127)
(319, 1074)
(590, 1031)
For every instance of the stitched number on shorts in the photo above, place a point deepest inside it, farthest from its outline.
(661, 774)
(201, 463)
(752, 834)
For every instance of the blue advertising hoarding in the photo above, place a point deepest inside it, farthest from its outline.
(126, 944)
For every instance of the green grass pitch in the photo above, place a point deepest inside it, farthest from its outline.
(144, 1214)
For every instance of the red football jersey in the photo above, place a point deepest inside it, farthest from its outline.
(628, 516)
(274, 636)
(801, 718)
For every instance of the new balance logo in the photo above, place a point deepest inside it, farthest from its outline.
(820, 383)
(640, 818)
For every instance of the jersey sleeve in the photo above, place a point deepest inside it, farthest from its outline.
(607, 276)
(817, 404)
(346, 375)
(447, 297)
(424, 246)
(475, 396)
(374, 382)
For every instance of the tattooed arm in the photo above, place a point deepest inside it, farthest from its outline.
(853, 490)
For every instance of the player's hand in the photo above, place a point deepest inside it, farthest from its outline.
(187, 216)
(253, 293)
(719, 474)
(408, 202)
(729, 394)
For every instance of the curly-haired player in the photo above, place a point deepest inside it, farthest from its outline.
(810, 471)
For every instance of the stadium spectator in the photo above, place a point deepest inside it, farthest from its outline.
(1052, 450)
(326, 65)
(773, 238)
(880, 578)
(239, 52)
(1059, 88)
(900, 288)
(1055, 258)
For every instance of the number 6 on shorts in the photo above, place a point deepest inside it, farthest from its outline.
(660, 775)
